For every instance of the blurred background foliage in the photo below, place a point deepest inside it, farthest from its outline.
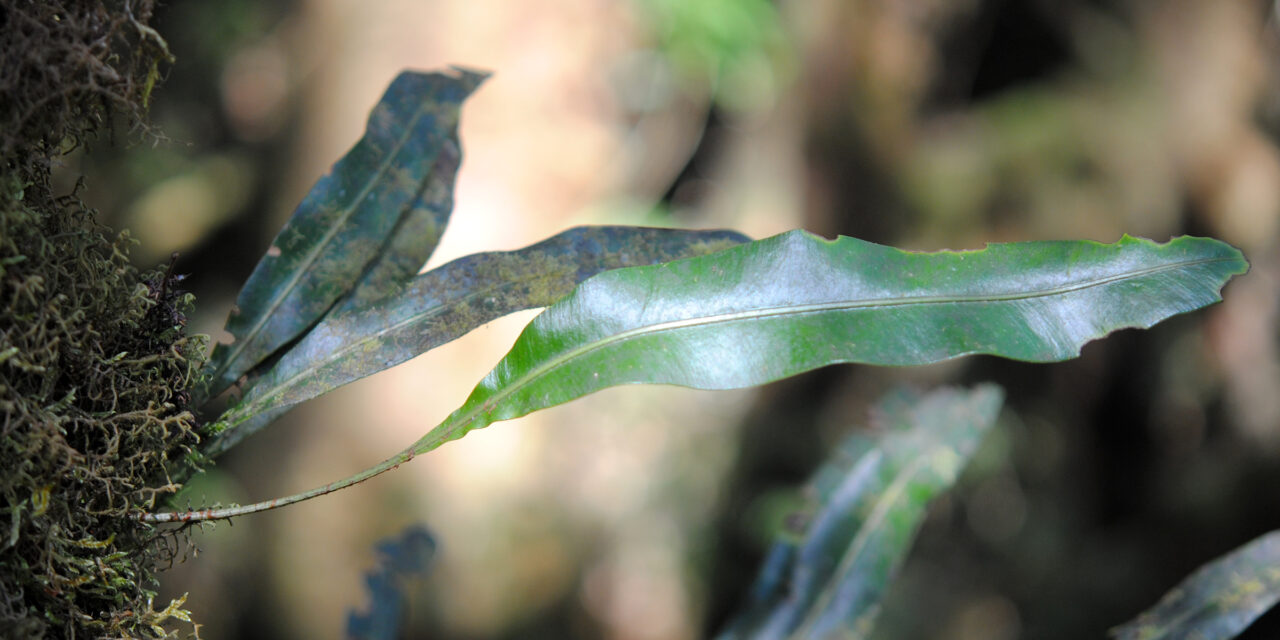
(642, 513)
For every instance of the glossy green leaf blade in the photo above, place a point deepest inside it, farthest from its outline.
(796, 302)
(1218, 601)
(447, 302)
(834, 560)
(345, 221)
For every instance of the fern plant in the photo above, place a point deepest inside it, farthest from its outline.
(338, 297)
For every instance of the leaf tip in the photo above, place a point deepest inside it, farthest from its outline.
(472, 77)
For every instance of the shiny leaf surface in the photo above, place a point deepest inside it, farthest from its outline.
(344, 233)
(834, 560)
(1219, 600)
(447, 302)
(795, 302)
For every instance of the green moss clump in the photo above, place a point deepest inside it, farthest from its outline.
(94, 370)
(95, 363)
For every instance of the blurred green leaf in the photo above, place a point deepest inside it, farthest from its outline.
(794, 302)
(1218, 601)
(834, 560)
(445, 303)
(344, 233)
(707, 38)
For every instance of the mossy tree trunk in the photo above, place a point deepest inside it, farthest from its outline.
(95, 364)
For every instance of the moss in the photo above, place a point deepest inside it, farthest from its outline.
(93, 380)
(95, 363)
(70, 67)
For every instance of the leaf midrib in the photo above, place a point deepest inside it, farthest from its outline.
(883, 505)
(336, 355)
(555, 362)
(328, 236)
